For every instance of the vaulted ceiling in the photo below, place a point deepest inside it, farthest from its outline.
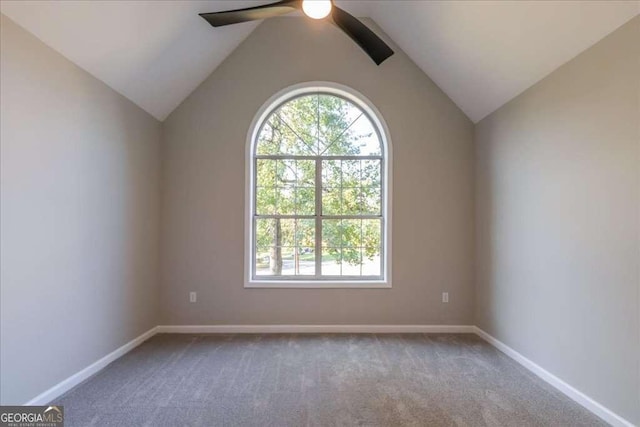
(481, 53)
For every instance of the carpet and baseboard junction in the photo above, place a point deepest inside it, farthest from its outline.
(319, 375)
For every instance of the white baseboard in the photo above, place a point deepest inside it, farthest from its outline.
(288, 329)
(576, 395)
(579, 397)
(75, 379)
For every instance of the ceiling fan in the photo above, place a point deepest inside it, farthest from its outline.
(316, 9)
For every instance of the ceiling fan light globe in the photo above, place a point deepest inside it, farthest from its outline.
(316, 9)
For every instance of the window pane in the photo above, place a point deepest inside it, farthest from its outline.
(371, 262)
(363, 135)
(285, 247)
(264, 233)
(285, 200)
(262, 261)
(268, 139)
(359, 139)
(266, 173)
(300, 115)
(351, 233)
(351, 261)
(306, 173)
(351, 173)
(305, 201)
(331, 233)
(351, 201)
(371, 173)
(331, 173)
(305, 233)
(318, 124)
(334, 116)
(288, 264)
(331, 201)
(306, 261)
(277, 137)
(288, 231)
(331, 262)
(265, 200)
(341, 261)
(371, 201)
(272, 232)
(358, 179)
(286, 173)
(371, 236)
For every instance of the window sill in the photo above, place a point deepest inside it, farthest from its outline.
(309, 284)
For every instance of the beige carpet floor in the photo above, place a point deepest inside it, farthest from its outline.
(318, 380)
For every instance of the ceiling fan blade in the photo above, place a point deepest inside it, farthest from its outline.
(219, 19)
(366, 39)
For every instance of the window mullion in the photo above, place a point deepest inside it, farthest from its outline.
(383, 214)
(254, 240)
(318, 242)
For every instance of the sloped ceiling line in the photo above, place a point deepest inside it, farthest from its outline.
(481, 53)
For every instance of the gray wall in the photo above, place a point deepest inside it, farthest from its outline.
(79, 202)
(558, 233)
(203, 188)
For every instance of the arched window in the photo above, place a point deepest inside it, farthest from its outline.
(318, 196)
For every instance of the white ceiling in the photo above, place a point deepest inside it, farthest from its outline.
(484, 53)
(481, 53)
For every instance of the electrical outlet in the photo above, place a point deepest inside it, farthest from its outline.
(193, 297)
(445, 297)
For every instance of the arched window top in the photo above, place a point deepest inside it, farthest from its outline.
(318, 124)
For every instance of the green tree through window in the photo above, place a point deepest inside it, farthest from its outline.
(318, 188)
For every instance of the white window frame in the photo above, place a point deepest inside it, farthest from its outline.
(374, 115)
